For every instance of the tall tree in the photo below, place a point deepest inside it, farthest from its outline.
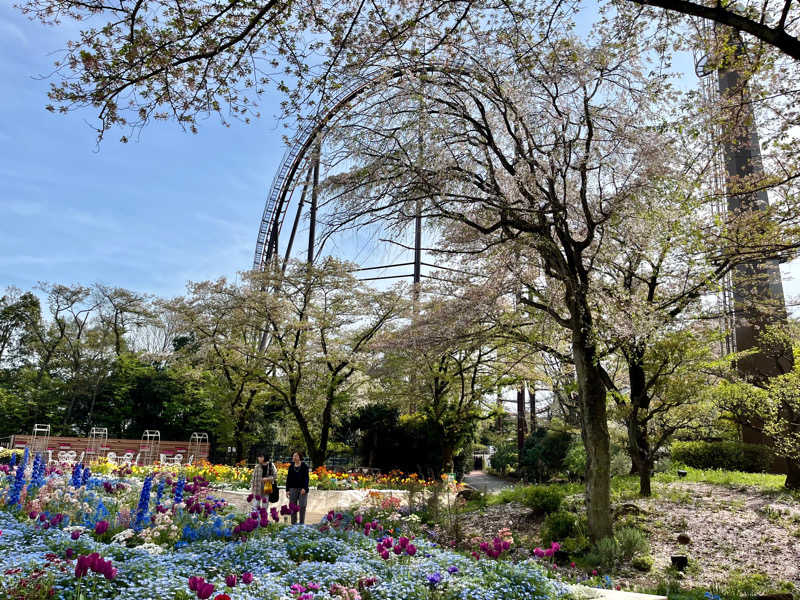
(534, 150)
(320, 322)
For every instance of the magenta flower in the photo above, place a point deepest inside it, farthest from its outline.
(230, 580)
(358, 519)
(101, 527)
(194, 580)
(75, 534)
(204, 590)
(398, 549)
(69, 553)
(249, 498)
(247, 578)
(385, 555)
(538, 552)
(506, 545)
(297, 588)
(274, 513)
(411, 549)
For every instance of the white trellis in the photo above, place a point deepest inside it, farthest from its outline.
(97, 443)
(39, 440)
(196, 443)
(150, 447)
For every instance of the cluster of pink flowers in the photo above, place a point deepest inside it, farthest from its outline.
(290, 509)
(232, 579)
(46, 523)
(369, 526)
(344, 592)
(403, 545)
(391, 503)
(554, 547)
(493, 550)
(203, 589)
(261, 518)
(95, 563)
(304, 592)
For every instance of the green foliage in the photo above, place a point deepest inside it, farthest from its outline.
(575, 459)
(642, 563)
(627, 544)
(543, 499)
(559, 526)
(605, 554)
(544, 453)
(505, 456)
(632, 542)
(730, 456)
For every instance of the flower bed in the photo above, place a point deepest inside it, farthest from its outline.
(238, 477)
(79, 536)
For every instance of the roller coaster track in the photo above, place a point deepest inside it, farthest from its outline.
(279, 192)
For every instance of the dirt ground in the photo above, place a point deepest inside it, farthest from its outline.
(731, 532)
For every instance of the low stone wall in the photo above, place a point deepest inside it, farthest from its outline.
(319, 501)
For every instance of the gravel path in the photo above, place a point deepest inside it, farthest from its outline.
(484, 482)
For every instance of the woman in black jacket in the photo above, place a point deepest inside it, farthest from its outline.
(297, 486)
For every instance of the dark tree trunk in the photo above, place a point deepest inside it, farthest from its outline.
(521, 421)
(594, 431)
(792, 474)
(638, 444)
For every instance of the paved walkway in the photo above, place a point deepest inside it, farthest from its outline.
(484, 482)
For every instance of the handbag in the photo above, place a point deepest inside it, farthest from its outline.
(266, 488)
(275, 493)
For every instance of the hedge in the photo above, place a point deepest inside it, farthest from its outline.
(729, 456)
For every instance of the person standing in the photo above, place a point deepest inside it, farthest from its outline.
(264, 472)
(297, 480)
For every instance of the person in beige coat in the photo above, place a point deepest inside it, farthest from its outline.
(264, 472)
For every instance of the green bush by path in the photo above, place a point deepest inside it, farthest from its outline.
(730, 456)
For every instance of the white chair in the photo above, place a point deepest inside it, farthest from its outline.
(162, 458)
(70, 456)
(190, 460)
(126, 459)
(80, 460)
(112, 457)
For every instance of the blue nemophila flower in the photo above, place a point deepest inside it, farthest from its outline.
(434, 579)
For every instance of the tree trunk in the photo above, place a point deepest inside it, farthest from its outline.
(644, 480)
(638, 444)
(521, 422)
(792, 474)
(594, 431)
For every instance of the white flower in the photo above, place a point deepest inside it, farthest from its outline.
(123, 536)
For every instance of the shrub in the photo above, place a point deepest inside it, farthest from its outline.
(542, 499)
(504, 456)
(729, 456)
(575, 460)
(605, 554)
(642, 563)
(558, 526)
(544, 453)
(632, 542)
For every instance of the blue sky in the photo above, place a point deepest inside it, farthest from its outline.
(148, 215)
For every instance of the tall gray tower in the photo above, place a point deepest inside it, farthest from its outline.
(758, 298)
